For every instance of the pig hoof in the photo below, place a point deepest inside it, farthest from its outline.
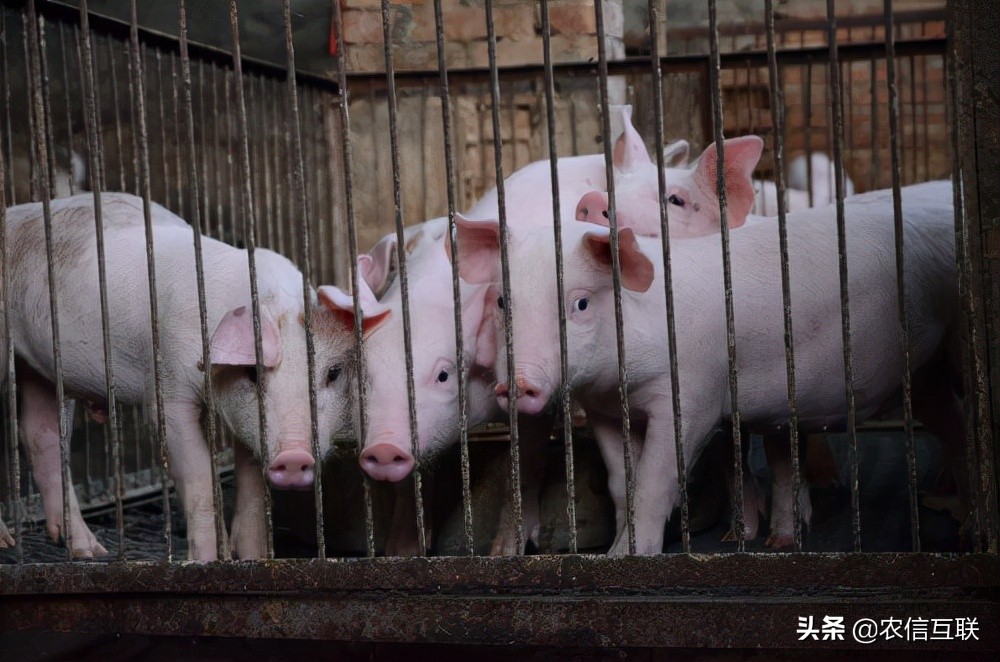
(6, 540)
(779, 542)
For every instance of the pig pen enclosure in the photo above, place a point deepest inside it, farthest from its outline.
(861, 515)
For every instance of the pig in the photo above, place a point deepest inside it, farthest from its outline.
(931, 301)
(288, 454)
(823, 184)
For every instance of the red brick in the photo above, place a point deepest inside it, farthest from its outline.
(465, 23)
(573, 19)
(362, 27)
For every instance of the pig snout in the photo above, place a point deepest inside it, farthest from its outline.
(531, 399)
(292, 469)
(593, 208)
(386, 462)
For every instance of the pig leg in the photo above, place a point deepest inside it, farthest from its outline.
(783, 496)
(753, 507)
(6, 540)
(249, 531)
(40, 423)
(404, 539)
(533, 436)
(191, 469)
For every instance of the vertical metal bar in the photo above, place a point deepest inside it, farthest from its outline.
(727, 276)
(352, 240)
(838, 164)
(38, 89)
(230, 162)
(211, 417)
(217, 177)
(322, 196)
(165, 169)
(267, 130)
(401, 257)
(461, 368)
(564, 388)
(179, 177)
(35, 194)
(913, 120)
(8, 346)
(280, 214)
(807, 102)
(117, 107)
(141, 152)
(904, 324)
(875, 175)
(68, 108)
(130, 66)
(5, 57)
(250, 232)
(668, 278)
(778, 120)
(307, 289)
(515, 452)
(974, 377)
(205, 149)
(50, 164)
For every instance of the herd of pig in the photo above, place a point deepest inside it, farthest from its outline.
(694, 225)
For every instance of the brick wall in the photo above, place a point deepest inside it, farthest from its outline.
(517, 24)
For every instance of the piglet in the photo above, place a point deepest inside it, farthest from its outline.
(287, 451)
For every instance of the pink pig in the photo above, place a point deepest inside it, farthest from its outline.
(289, 454)
(700, 310)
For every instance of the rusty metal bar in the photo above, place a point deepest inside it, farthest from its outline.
(9, 135)
(739, 526)
(211, 417)
(564, 388)
(630, 487)
(307, 288)
(875, 175)
(668, 277)
(508, 303)
(141, 154)
(778, 123)
(456, 293)
(838, 165)
(117, 106)
(250, 234)
(69, 106)
(352, 240)
(403, 275)
(41, 135)
(904, 322)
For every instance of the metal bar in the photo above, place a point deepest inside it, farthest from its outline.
(178, 174)
(117, 106)
(68, 106)
(875, 175)
(808, 130)
(778, 117)
(456, 291)
(267, 130)
(508, 307)
(161, 93)
(8, 115)
(401, 257)
(307, 289)
(838, 165)
(208, 394)
(11, 429)
(904, 322)
(668, 277)
(564, 390)
(38, 89)
(50, 164)
(141, 155)
(352, 241)
(35, 194)
(727, 277)
(913, 121)
(250, 233)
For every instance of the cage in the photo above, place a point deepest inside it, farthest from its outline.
(320, 131)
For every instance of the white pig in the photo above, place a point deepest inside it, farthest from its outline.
(700, 313)
(288, 450)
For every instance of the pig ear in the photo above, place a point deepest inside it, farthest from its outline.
(630, 152)
(676, 154)
(478, 315)
(742, 155)
(341, 304)
(593, 208)
(478, 249)
(637, 270)
(378, 263)
(233, 340)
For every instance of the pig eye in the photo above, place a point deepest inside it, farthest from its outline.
(443, 376)
(581, 304)
(674, 199)
(332, 374)
(500, 303)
